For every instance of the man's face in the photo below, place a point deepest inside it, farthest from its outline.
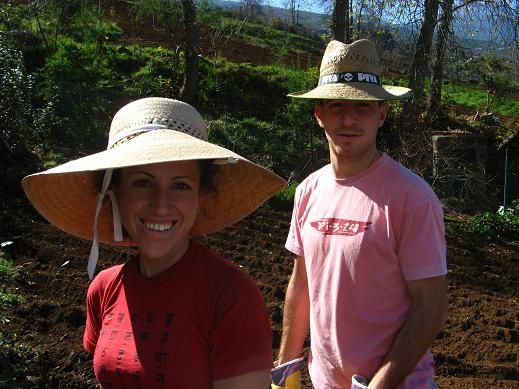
(351, 126)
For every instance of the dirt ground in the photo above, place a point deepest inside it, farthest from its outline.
(40, 340)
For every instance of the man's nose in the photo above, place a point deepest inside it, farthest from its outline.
(348, 117)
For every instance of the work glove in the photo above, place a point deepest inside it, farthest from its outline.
(358, 382)
(287, 375)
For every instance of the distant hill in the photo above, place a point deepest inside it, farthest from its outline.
(318, 24)
(315, 23)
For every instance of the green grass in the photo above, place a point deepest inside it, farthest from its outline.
(469, 96)
(8, 273)
(265, 36)
(476, 98)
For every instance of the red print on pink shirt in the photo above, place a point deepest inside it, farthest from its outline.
(334, 226)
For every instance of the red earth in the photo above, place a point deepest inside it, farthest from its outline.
(41, 339)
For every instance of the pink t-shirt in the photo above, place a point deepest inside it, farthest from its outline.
(362, 238)
(201, 320)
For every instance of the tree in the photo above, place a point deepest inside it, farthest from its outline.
(420, 64)
(341, 13)
(251, 8)
(493, 73)
(189, 90)
(293, 7)
(169, 14)
(23, 124)
(442, 38)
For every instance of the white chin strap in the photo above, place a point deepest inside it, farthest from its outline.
(118, 231)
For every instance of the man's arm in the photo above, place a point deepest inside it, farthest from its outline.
(425, 319)
(296, 314)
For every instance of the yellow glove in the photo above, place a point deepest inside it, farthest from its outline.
(293, 381)
(287, 375)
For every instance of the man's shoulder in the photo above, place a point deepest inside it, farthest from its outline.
(314, 178)
(402, 175)
(406, 183)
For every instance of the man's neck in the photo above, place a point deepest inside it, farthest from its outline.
(345, 166)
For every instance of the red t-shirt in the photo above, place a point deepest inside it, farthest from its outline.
(201, 320)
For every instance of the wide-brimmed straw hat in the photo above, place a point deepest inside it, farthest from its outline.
(147, 131)
(352, 72)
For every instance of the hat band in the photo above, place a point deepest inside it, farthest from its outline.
(337, 78)
(134, 131)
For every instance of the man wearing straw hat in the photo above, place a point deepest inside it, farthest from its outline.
(369, 277)
(176, 315)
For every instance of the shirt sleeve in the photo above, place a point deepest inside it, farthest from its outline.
(421, 248)
(93, 315)
(294, 242)
(241, 340)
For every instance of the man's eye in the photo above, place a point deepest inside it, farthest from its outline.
(363, 107)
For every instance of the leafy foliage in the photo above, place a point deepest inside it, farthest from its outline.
(89, 81)
(23, 125)
(77, 77)
(232, 88)
(496, 75)
(90, 26)
(164, 14)
(8, 273)
(284, 199)
(504, 223)
(475, 97)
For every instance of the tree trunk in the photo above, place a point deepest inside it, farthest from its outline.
(419, 65)
(433, 106)
(349, 22)
(339, 20)
(189, 89)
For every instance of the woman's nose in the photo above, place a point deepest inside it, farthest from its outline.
(161, 199)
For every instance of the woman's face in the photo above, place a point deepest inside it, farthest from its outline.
(158, 205)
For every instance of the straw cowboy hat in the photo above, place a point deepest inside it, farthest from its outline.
(147, 131)
(352, 72)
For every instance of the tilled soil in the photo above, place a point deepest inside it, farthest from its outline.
(41, 339)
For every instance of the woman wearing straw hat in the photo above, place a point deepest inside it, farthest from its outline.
(369, 275)
(176, 315)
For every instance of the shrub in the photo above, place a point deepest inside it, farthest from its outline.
(158, 72)
(241, 89)
(284, 199)
(79, 80)
(504, 223)
(90, 26)
(23, 126)
(7, 274)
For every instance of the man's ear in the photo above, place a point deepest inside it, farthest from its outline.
(383, 114)
(318, 113)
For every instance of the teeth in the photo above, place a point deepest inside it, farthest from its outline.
(159, 226)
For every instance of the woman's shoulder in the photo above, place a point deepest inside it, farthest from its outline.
(221, 268)
(107, 277)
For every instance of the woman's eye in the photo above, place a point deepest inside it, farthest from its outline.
(181, 186)
(142, 183)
